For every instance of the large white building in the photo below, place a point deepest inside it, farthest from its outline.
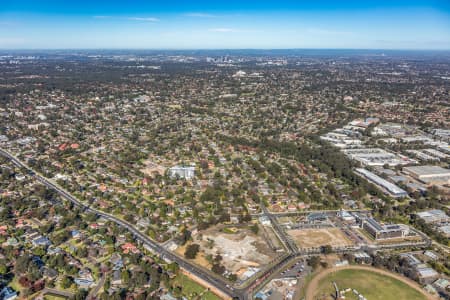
(429, 174)
(346, 216)
(380, 232)
(184, 172)
(434, 216)
(377, 157)
(391, 188)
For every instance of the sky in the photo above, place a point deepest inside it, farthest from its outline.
(256, 24)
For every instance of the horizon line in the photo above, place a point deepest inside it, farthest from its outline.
(228, 49)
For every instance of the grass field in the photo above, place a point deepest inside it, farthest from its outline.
(192, 290)
(54, 297)
(371, 285)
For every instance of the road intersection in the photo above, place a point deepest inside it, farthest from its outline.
(245, 290)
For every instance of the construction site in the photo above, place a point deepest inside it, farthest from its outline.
(243, 252)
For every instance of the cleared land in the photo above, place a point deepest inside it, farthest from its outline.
(239, 248)
(308, 238)
(372, 283)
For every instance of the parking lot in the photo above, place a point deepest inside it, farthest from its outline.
(298, 270)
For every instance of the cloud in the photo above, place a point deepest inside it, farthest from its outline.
(200, 15)
(149, 19)
(101, 17)
(222, 30)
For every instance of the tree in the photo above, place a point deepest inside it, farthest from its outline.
(107, 285)
(191, 251)
(140, 278)
(80, 295)
(174, 267)
(314, 262)
(125, 276)
(254, 228)
(22, 263)
(327, 249)
(184, 236)
(66, 282)
(218, 268)
(3, 269)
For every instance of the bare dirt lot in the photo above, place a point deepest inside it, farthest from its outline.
(307, 238)
(239, 247)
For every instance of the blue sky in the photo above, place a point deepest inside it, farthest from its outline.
(363, 24)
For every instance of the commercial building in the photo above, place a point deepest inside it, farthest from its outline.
(317, 217)
(364, 123)
(442, 284)
(445, 230)
(429, 174)
(380, 232)
(434, 216)
(422, 156)
(443, 134)
(341, 140)
(437, 153)
(346, 216)
(426, 274)
(185, 172)
(362, 257)
(390, 188)
(377, 157)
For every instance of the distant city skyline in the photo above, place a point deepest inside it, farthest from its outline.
(415, 24)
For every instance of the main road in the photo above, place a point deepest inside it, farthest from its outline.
(222, 286)
(215, 281)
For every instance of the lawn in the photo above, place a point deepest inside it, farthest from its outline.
(192, 289)
(371, 285)
(230, 230)
(14, 284)
(53, 297)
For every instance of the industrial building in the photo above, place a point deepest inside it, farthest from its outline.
(434, 216)
(425, 274)
(390, 188)
(429, 174)
(422, 156)
(377, 157)
(341, 140)
(380, 232)
(445, 230)
(437, 153)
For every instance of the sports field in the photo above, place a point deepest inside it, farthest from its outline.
(373, 284)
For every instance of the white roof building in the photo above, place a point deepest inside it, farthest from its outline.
(391, 188)
(184, 172)
(429, 174)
